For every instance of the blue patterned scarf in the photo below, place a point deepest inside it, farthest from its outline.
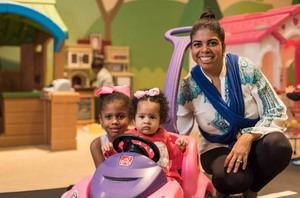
(234, 114)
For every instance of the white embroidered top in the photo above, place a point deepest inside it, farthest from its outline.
(260, 100)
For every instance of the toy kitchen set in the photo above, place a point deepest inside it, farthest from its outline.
(78, 60)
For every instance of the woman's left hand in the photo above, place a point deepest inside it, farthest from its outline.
(239, 153)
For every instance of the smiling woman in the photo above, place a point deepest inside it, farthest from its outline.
(239, 115)
(207, 51)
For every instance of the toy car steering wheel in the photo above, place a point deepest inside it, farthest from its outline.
(129, 146)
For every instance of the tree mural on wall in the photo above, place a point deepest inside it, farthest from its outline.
(108, 18)
(194, 8)
(295, 2)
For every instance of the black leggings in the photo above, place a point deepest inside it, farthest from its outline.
(268, 157)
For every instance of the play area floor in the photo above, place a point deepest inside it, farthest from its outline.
(36, 167)
(35, 171)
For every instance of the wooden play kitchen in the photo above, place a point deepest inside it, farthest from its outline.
(39, 118)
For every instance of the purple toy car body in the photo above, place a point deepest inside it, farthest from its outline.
(130, 174)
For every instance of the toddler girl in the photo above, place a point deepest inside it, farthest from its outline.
(149, 110)
(113, 117)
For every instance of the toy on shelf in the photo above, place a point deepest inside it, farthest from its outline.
(78, 60)
(116, 58)
(293, 127)
(96, 44)
(78, 64)
(117, 61)
(296, 162)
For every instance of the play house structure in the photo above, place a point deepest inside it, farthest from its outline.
(78, 60)
(117, 61)
(29, 115)
(116, 58)
(265, 38)
(77, 67)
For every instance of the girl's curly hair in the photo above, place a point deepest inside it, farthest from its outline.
(107, 98)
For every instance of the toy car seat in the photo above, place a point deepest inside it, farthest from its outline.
(180, 43)
(194, 182)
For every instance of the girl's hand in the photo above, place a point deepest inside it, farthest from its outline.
(107, 148)
(239, 153)
(181, 143)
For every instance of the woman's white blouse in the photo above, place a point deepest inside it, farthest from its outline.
(260, 100)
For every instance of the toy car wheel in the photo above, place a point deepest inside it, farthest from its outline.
(130, 146)
(208, 194)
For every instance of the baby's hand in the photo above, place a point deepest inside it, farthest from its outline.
(181, 143)
(107, 148)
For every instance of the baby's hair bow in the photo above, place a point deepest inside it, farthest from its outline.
(150, 92)
(108, 89)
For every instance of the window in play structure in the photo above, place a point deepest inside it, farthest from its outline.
(267, 66)
(291, 73)
(10, 58)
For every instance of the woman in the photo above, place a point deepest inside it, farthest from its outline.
(239, 115)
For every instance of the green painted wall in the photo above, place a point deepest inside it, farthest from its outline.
(246, 7)
(141, 25)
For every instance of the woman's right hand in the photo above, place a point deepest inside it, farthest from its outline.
(238, 157)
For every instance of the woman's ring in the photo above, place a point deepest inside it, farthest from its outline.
(239, 161)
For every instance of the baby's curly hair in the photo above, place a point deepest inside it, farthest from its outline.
(160, 99)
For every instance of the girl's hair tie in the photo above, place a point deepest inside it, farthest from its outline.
(150, 92)
(108, 89)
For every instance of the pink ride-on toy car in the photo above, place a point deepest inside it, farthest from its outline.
(131, 174)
